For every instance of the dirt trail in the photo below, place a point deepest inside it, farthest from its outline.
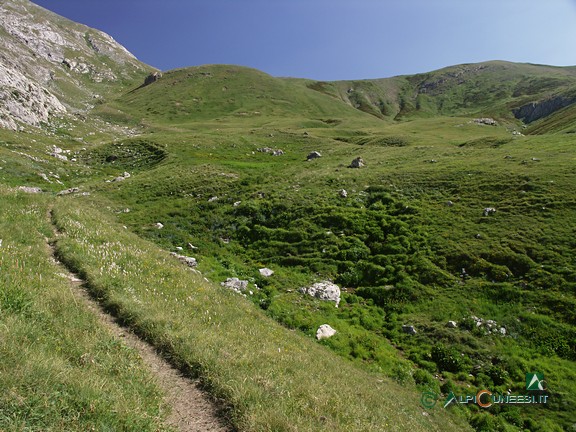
(192, 409)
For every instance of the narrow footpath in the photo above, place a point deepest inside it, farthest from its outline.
(191, 408)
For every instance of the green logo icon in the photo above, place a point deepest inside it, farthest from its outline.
(535, 381)
(428, 399)
(451, 398)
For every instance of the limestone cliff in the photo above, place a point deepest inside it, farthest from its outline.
(51, 66)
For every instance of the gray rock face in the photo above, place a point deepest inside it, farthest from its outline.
(324, 291)
(537, 110)
(23, 100)
(43, 54)
(325, 332)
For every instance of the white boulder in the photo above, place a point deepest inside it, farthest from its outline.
(325, 332)
(324, 291)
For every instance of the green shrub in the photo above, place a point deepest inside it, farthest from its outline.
(447, 359)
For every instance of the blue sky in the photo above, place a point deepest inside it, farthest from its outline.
(333, 39)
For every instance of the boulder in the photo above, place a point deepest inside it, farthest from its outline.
(357, 163)
(266, 272)
(325, 332)
(451, 324)
(489, 210)
(159, 225)
(152, 78)
(324, 291)
(343, 193)
(408, 329)
(313, 155)
(235, 284)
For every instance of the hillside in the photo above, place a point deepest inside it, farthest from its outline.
(450, 239)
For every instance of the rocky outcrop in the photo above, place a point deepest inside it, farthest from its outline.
(24, 101)
(152, 78)
(537, 110)
(43, 55)
(236, 284)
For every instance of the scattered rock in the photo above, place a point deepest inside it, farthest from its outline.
(489, 210)
(159, 225)
(214, 198)
(271, 151)
(343, 193)
(122, 177)
(449, 203)
(45, 177)
(451, 324)
(191, 246)
(313, 155)
(486, 121)
(357, 163)
(325, 332)
(59, 156)
(266, 272)
(68, 191)
(488, 326)
(408, 329)
(237, 203)
(324, 291)
(30, 189)
(189, 261)
(235, 284)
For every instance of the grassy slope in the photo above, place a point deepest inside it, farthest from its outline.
(60, 369)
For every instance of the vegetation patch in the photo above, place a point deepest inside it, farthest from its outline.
(132, 154)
